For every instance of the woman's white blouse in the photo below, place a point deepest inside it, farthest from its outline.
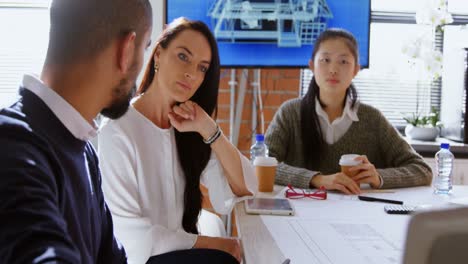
(332, 132)
(143, 185)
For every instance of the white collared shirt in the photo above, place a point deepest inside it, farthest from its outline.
(332, 132)
(65, 112)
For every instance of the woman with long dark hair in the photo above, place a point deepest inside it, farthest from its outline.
(309, 135)
(156, 155)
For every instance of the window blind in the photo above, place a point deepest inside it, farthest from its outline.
(23, 49)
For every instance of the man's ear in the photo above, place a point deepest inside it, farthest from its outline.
(126, 51)
(311, 65)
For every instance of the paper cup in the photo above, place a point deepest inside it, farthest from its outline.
(348, 161)
(265, 169)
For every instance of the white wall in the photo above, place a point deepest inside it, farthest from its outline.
(158, 16)
(455, 39)
(158, 23)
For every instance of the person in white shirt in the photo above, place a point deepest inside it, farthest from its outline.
(156, 155)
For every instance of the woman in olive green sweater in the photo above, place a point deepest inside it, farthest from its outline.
(309, 135)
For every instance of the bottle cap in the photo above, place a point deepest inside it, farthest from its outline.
(259, 137)
(445, 145)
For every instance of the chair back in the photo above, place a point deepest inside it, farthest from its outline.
(437, 237)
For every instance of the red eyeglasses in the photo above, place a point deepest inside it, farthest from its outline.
(320, 194)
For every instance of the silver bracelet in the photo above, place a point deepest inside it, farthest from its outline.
(213, 137)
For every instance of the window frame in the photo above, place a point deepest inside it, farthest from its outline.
(25, 4)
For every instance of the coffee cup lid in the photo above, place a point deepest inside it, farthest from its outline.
(348, 160)
(265, 161)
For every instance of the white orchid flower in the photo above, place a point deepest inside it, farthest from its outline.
(433, 63)
(434, 13)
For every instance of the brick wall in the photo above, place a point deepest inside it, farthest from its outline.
(277, 86)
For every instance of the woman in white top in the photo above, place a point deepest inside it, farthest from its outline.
(156, 155)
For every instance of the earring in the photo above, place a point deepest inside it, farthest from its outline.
(156, 68)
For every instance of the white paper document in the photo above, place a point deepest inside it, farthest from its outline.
(335, 241)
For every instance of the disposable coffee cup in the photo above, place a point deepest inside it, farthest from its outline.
(265, 169)
(347, 162)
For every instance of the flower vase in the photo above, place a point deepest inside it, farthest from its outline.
(421, 133)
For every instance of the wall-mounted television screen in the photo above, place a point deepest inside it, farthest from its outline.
(274, 33)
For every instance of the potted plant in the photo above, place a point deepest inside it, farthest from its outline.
(425, 128)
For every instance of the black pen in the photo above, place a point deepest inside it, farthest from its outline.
(374, 199)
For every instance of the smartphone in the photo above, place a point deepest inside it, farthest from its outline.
(271, 206)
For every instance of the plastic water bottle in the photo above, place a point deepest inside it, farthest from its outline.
(259, 149)
(444, 165)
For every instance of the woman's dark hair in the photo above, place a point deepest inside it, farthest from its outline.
(312, 137)
(193, 153)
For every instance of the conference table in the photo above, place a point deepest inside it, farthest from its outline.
(340, 229)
